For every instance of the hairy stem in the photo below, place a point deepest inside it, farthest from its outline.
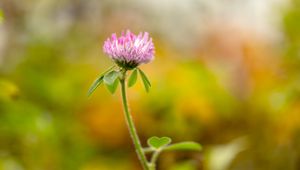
(131, 127)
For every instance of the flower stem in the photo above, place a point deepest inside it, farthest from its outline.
(154, 159)
(131, 127)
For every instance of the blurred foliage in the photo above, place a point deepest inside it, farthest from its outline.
(224, 87)
(1, 17)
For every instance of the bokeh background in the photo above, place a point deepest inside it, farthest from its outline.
(226, 74)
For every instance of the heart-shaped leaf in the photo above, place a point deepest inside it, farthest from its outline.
(110, 77)
(187, 146)
(132, 78)
(157, 142)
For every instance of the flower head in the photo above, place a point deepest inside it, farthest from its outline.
(129, 50)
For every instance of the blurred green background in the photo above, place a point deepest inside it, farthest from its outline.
(226, 74)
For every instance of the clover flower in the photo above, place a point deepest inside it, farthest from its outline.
(129, 50)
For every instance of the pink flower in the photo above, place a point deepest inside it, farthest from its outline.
(129, 50)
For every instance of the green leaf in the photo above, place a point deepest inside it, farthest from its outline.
(157, 142)
(189, 146)
(144, 77)
(113, 87)
(145, 80)
(97, 82)
(94, 86)
(110, 77)
(132, 79)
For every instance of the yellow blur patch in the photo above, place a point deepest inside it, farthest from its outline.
(8, 90)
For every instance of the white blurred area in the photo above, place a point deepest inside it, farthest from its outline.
(183, 24)
(180, 20)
